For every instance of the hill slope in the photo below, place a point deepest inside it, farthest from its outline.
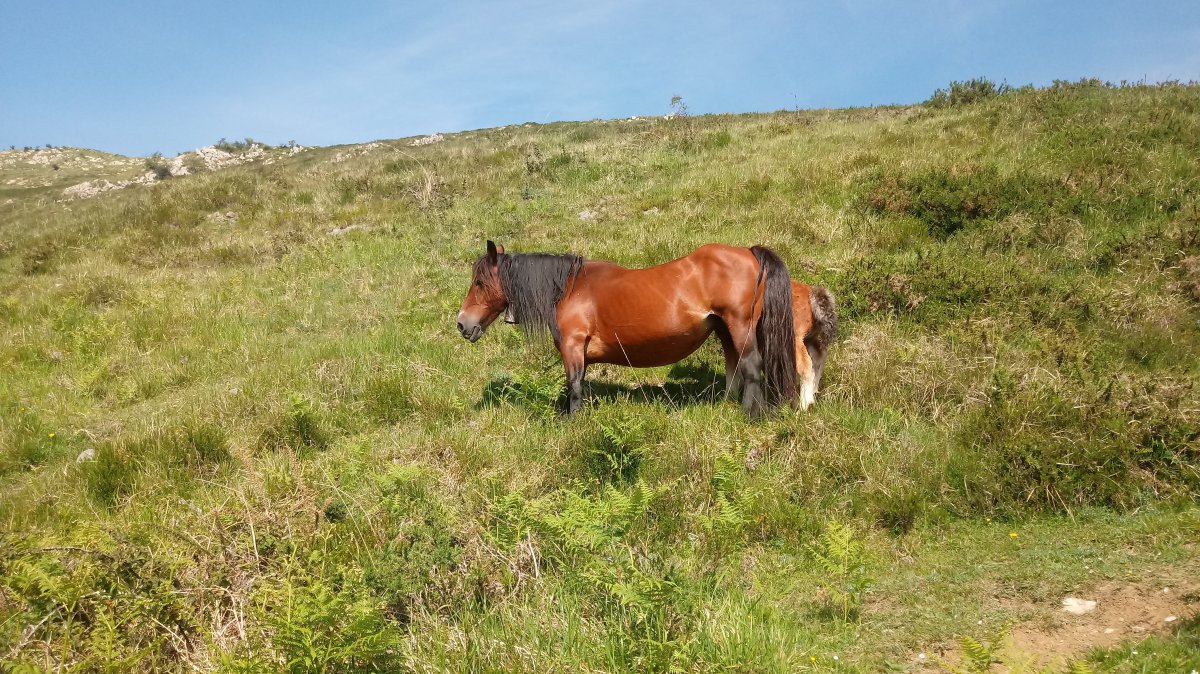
(296, 460)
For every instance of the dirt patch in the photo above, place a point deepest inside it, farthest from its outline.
(1052, 636)
(1122, 612)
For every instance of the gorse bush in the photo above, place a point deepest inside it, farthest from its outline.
(418, 543)
(966, 93)
(946, 201)
(1042, 449)
(158, 166)
(236, 146)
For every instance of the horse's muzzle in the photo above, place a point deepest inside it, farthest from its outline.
(472, 333)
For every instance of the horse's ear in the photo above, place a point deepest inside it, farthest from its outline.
(492, 252)
(500, 249)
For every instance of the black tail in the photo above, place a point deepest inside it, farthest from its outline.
(776, 331)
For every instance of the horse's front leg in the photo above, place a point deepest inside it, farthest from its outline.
(574, 356)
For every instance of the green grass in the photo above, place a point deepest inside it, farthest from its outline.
(1178, 653)
(301, 465)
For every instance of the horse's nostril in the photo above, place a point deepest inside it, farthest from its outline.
(461, 328)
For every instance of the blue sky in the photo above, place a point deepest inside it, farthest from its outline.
(142, 77)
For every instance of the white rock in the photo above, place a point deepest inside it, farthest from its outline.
(91, 188)
(88, 454)
(1078, 606)
(588, 215)
(356, 151)
(1170, 619)
(427, 140)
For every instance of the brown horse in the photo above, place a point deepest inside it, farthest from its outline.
(771, 328)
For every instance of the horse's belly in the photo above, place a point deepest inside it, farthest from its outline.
(646, 348)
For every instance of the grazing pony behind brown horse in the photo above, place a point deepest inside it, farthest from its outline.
(771, 328)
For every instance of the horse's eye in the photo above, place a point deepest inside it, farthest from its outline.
(479, 284)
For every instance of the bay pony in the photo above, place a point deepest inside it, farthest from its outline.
(775, 331)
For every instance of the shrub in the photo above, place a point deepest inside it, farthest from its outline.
(420, 549)
(715, 140)
(234, 147)
(109, 607)
(569, 524)
(938, 285)
(199, 444)
(966, 93)
(948, 200)
(681, 125)
(40, 257)
(158, 166)
(733, 502)
(347, 188)
(1033, 447)
(584, 536)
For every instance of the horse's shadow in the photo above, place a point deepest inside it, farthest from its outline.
(688, 383)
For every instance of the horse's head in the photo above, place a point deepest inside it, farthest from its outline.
(485, 299)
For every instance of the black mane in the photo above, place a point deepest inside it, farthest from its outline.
(534, 283)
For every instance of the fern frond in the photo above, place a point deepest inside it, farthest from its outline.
(1081, 667)
(975, 651)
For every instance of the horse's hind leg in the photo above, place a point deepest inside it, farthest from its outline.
(733, 380)
(743, 362)
(817, 354)
(807, 375)
(751, 367)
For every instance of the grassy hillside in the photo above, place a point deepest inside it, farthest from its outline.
(299, 464)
